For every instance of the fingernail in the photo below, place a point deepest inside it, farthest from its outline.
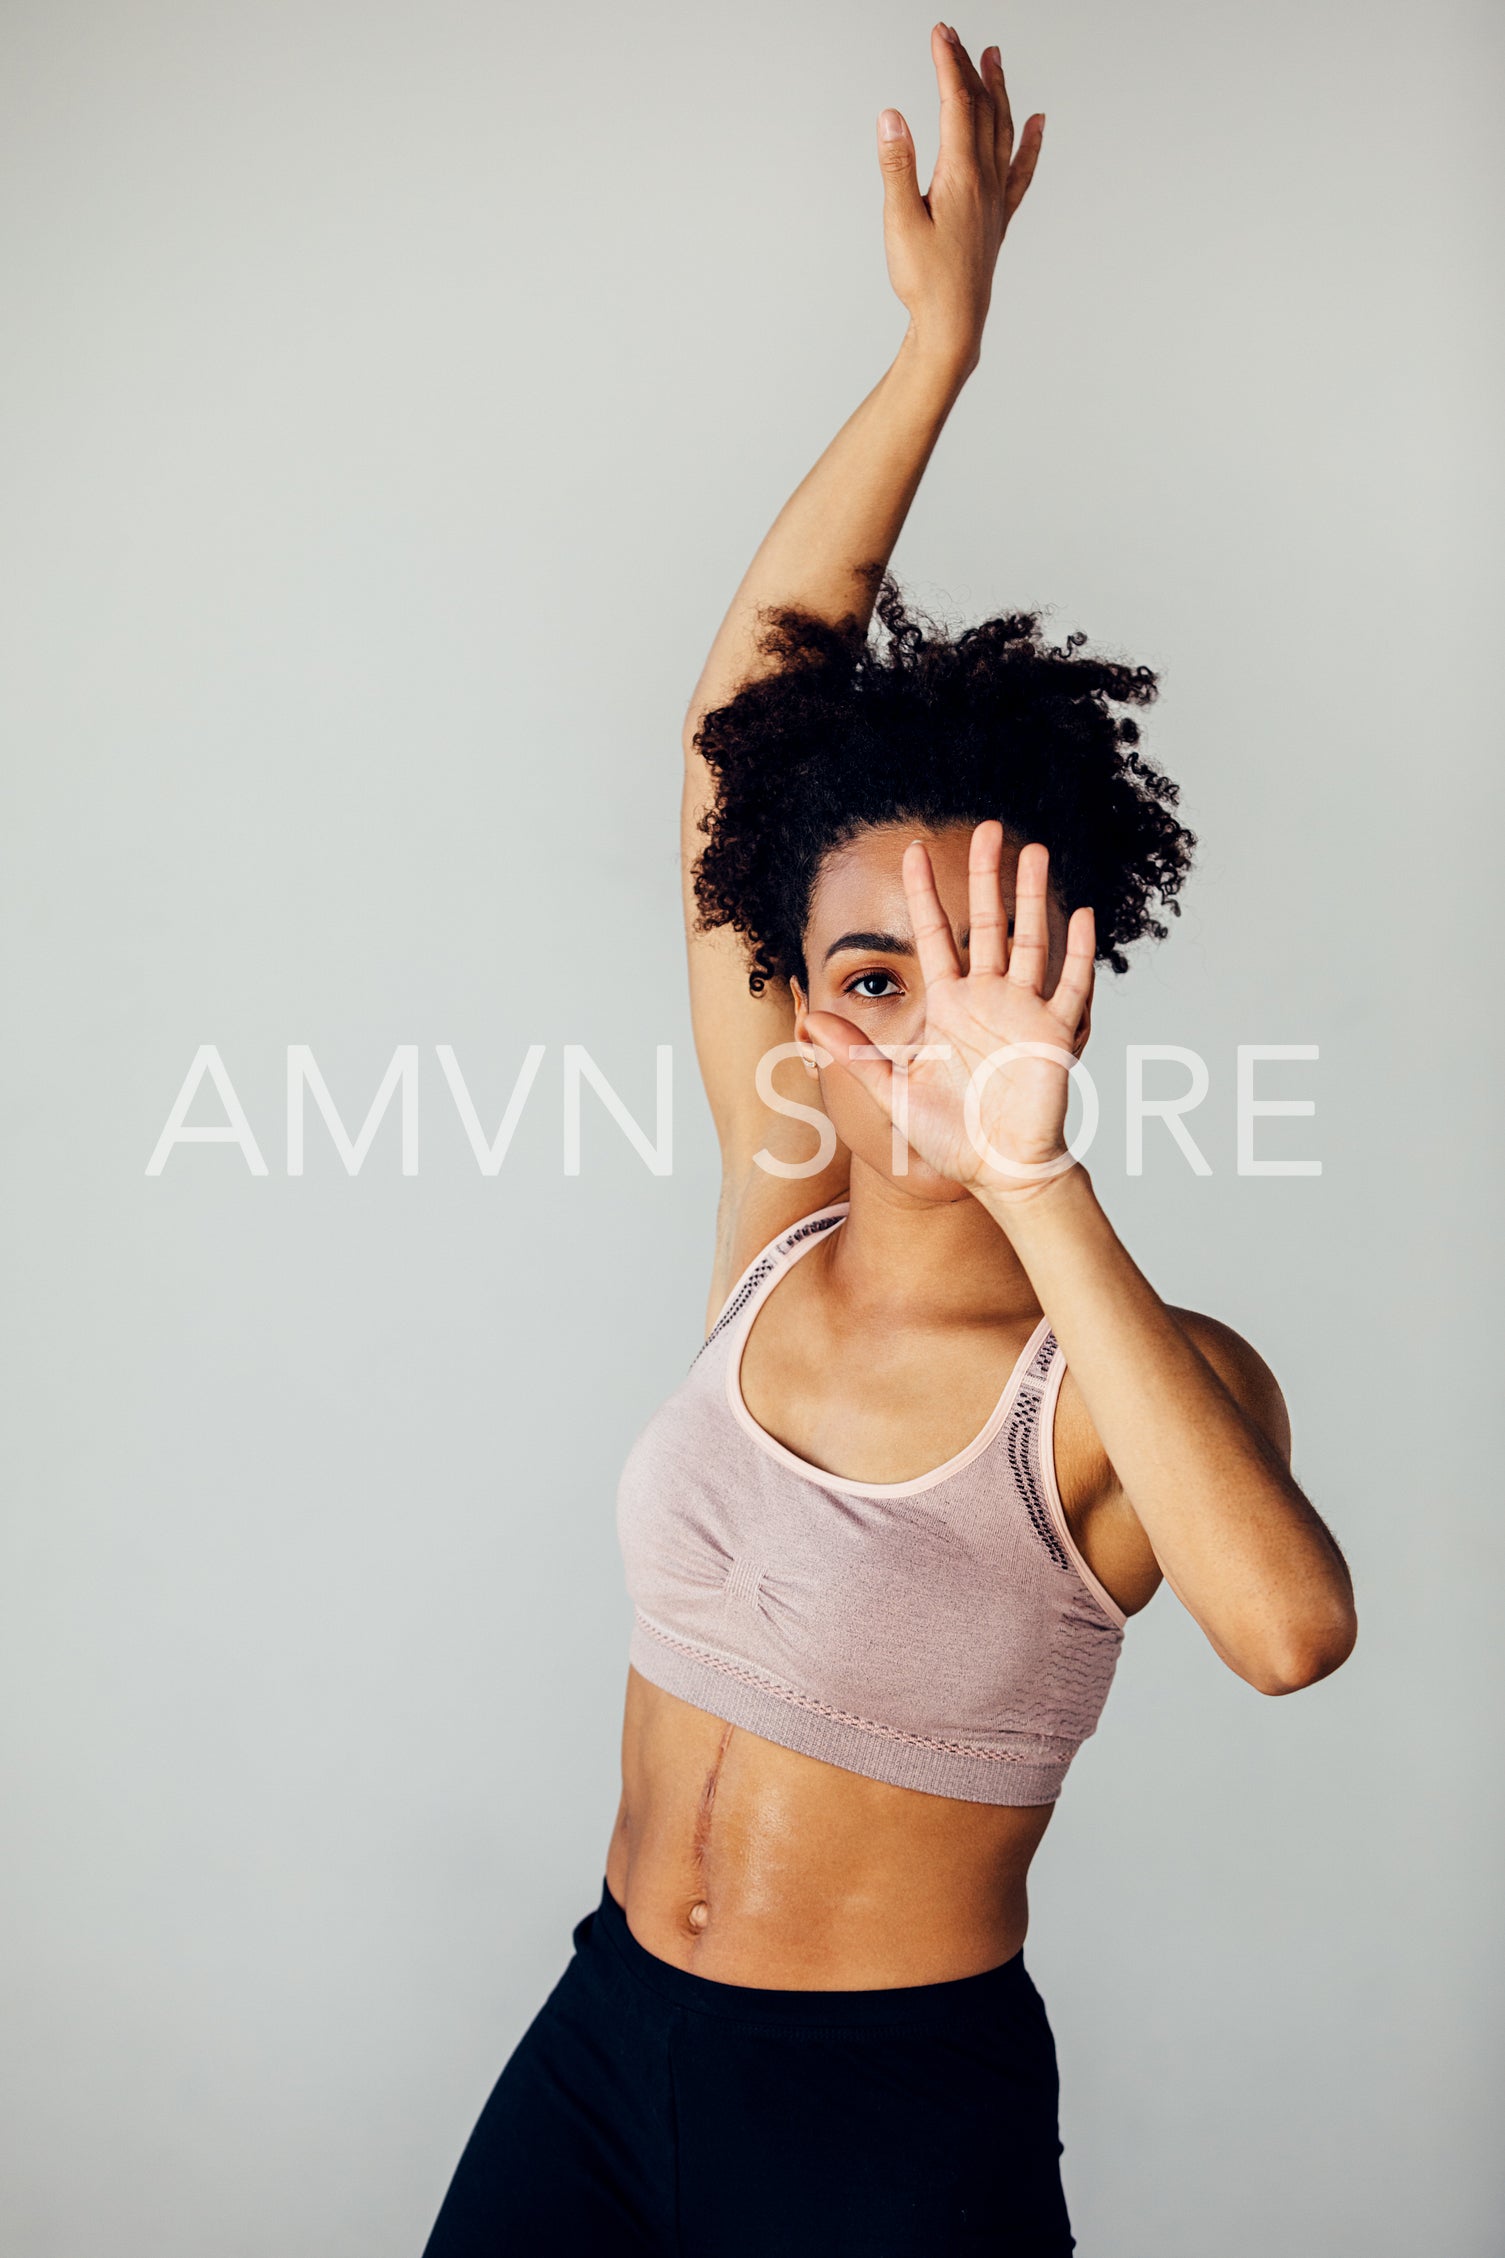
(890, 126)
(947, 33)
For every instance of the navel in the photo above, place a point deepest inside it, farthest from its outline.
(699, 1914)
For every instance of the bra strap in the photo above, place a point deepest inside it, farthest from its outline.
(1029, 1442)
(763, 1266)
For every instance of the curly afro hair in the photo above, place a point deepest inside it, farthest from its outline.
(923, 726)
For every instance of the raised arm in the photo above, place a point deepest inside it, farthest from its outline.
(826, 553)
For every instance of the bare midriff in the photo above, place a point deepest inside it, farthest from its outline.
(751, 1864)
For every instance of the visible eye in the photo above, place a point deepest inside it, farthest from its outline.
(873, 986)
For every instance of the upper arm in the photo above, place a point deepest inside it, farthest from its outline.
(1098, 1509)
(823, 557)
(1244, 1373)
(732, 1026)
(734, 1030)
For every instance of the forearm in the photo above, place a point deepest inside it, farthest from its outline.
(1237, 1540)
(829, 546)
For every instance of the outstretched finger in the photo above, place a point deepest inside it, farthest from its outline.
(1029, 951)
(988, 947)
(958, 150)
(1003, 116)
(982, 116)
(896, 157)
(1074, 988)
(935, 944)
(1021, 170)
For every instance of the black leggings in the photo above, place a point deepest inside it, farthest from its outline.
(646, 2110)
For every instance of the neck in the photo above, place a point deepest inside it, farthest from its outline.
(923, 1258)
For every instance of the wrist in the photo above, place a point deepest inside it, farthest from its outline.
(945, 359)
(1029, 1214)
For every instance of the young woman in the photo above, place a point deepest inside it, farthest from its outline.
(943, 1437)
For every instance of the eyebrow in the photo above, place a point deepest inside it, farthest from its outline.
(880, 944)
(883, 944)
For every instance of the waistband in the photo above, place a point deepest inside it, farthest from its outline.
(963, 1999)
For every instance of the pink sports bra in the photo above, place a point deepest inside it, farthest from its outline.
(943, 1634)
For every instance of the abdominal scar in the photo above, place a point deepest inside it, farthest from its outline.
(701, 1840)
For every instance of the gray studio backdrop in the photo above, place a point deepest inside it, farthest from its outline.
(392, 396)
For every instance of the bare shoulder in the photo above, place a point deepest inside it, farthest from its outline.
(1243, 1372)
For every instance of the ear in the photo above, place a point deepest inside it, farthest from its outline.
(801, 1035)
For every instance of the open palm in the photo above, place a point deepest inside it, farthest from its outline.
(999, 1127)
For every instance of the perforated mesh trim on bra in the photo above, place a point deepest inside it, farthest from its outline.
(1024, 1442)
(763, 1268)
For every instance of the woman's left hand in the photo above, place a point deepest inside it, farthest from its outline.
(1001, 1131)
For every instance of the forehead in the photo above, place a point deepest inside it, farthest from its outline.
(865, 874)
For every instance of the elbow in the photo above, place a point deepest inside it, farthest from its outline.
(1301, 1660)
